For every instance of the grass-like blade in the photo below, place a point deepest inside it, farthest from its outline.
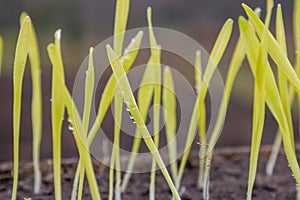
(130, 54)
(115, 157)
(169, 104)
(274, 49)
(21, 53)
(202, 119)
(156, 74)
(122, 9)
(88, 95)
(125, 89)
(75, 121)
(286, 97)
(215, 58)
(235, 64)
(272, 95)
(57, 114)
(36, 103)
(145, 95)
(258, 104)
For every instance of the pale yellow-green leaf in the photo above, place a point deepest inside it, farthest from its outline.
(286, 95)
(57, 114)
(89, 88)
(145, 94)
(121, 16)
(257, 124)
(275, 50)
(156, 75)
(202, 119)
(258, 103)
(107, 95)
(169, 104)
(272, 96)
(215, 57)
(36, 103)
(21, 53)
(74, 118)
(118, 106)
(125, 89)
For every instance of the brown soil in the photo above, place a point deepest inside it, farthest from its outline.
(228, 179)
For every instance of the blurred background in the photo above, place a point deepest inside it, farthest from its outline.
(87, 23)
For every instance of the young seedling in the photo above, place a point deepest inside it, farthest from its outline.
(122, 9)
(147, 88)
(107, 96)
(57, 114)
(156, 74)
(89, 89)
(36, 102)
(124, 88)
(272, 93)
(202, 119)
(169, 104)
(76, 123)
(216, 55)
(234, 67)
(291, 92)
(21, 53)
(258, 104)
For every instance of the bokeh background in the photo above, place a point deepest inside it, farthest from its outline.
(87, 23)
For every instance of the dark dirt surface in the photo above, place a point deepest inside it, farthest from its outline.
(228, 179)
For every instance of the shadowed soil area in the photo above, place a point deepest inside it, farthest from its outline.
(228, 179)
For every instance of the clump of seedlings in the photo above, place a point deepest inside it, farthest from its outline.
(256, 44)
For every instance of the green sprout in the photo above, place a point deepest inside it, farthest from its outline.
(169, 104)
(156, 75)
(57, 114)
(75, 122)
(36, 103)
(256, 42)
(272, 94)
(122, 9)
(291, 93)
(149, 86)
(202, 119)
(22, 49)
(124, 88)
(130, 54)
(258, 104)
(215, 58)
(27, 45)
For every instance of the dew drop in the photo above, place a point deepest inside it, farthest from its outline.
(70, 127)
(127, 109)
(50, 100)
(69, 120)
(87, 72)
